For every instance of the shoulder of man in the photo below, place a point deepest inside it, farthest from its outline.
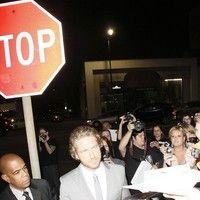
(42, 186)
(6, 194)
(115, 167)
(36, 183)
(70, 175)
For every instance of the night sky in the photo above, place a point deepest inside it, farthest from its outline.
(144, 29)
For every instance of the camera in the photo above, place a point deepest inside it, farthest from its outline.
(139, 126)
(193, 140)
(105, 153)
(167, 145)
(195, 153)
(44, 137)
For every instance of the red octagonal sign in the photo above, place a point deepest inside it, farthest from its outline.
(31, 48)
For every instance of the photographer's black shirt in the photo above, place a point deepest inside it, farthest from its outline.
(133, 161)
(46, 158)
(134, 158)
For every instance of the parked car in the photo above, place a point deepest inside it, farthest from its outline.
(189, 108)
(155, 112)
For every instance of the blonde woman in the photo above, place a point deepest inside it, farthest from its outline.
(178, 154)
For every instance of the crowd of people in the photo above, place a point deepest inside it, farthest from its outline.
(108, 160)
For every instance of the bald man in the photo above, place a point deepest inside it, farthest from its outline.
(21, 187)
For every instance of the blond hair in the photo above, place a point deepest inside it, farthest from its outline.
(80, 132)
(187, 128)
(176, 128)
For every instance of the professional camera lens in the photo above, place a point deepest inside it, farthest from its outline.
(193, 140)
(43, 137)
(139, 126)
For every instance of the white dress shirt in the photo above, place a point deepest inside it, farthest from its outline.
(19, 193)
(88, 176)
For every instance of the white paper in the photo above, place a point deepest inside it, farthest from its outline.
(177, 180)
(139, 174)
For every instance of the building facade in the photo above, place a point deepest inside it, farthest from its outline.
(178, 80)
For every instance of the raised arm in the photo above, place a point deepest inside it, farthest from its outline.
(124, 141)
(119, 132)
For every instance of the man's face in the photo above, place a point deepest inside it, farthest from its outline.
(139, 140)
(88, 151)
(17, 174)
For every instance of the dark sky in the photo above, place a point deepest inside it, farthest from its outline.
(144, 29)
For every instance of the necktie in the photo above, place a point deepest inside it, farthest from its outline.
(27, 197)
(97, 187)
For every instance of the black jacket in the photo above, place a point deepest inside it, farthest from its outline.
(39, 187)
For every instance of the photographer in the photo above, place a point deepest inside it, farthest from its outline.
(48, 159)
(133, 149)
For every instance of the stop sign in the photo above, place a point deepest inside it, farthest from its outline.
(31, 48)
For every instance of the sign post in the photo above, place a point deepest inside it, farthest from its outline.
(32, 53)
(31, 138)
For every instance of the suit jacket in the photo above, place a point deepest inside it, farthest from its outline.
(74, 187)
(39, 188)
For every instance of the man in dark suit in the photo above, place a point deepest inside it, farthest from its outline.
(14, 171)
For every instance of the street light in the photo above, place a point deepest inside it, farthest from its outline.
(110, 33)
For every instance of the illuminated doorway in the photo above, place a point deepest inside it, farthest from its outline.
(172, 90)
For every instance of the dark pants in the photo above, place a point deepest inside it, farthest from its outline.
(50, 173)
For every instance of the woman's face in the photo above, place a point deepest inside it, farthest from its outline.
(187, 119)
(157, 132)
(177, 138)
(106, 134)
(139, 140)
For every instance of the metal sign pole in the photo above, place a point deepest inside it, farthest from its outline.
(31, 139)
